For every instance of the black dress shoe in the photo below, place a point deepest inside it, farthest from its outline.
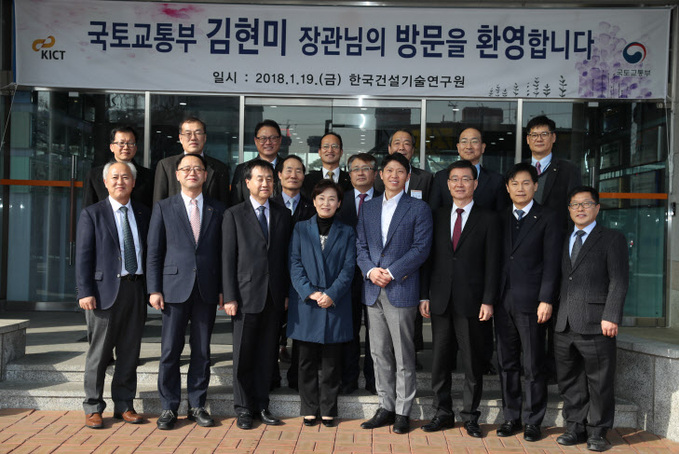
(309, 422)
(201, 416)
(598, 443)
(508, 428)
(532, 433)
(473, 429)
(244, 421)
(269, 419)
(348, 388)
(167, 420)
(571, 438)
(401, 424)
(439, 423)
(382, 418)
(370, 387)
(328, 422)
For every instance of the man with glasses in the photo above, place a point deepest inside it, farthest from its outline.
(193, 136)
(330, 151)
(184, 282)
(421, 181)
(268, 141)
(363, 169)
(459, 290)
(595, 278)
(123, 145)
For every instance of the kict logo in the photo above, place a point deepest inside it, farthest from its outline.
(44, 47)
(634, 53)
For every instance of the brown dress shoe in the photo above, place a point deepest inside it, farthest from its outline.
(94, 421)
(129, 416)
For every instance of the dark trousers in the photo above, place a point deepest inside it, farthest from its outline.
(351, 351)
(255, 346)
(120, 328)
(319, 396)
(176, 318)
(585, 368)
(519, 333)
(449, 329)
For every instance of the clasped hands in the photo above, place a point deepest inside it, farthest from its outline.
(323, 300)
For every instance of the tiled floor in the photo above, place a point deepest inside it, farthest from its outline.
(30, 431)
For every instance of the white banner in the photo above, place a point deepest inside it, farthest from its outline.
(373, 51)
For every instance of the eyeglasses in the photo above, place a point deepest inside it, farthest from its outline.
(464, 180)
(585, 205)
(188, 169)
(473, 141)
(263, 139)
(125, 144)
(327, 146)
(361, 169)
(543, 134)
(188, 134)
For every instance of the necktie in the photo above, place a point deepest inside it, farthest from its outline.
(331, 174)
(128, 244)
(457, 229)
(291, 205)
(262, 222)
(360, 202)
(538, 167)
(194, 219)
(519, 214)
(577, 245)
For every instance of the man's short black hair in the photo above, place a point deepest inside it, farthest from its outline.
(193, 120)
(521, 167)
(398, 157)
(261, 163)
(540, 120)
(270, 123)
(281, 163)
(125, 129)
(463, 164)
(202, 159)
(578, 189)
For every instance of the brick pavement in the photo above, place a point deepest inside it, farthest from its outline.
(38, 432)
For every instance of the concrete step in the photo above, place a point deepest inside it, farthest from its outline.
(284, 402)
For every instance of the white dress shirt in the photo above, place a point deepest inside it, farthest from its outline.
(118, 216)
(187, 205)
(465, 216)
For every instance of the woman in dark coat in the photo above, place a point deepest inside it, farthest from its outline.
(322, 258)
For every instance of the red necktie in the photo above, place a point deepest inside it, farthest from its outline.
(538, 167)
(457, 230)
(360, 202)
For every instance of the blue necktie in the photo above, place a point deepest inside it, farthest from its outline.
(262, 222)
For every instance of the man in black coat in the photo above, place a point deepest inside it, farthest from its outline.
(460, 287)
(330, 151)
(595, 269)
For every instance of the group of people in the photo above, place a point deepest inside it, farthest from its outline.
(324, 252)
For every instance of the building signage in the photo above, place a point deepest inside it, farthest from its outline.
(315, 50)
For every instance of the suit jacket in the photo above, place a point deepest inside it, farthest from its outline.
(95, 191)
(175, 262)
(490, 194)
(563, 177)
(531, 265)
(407, 247)
(315, 176)
(239, 191)
(472, 270)
(328, 270)
(347, 211)
(594, 288)
(251, 266)
(420, 180)
(98, 260)
(216, 186)
(303, 211)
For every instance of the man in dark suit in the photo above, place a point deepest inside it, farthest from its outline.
(110, 251)
(394, 235)
(528, 289)
(193, 136)
(363, 169)
(595, 270)
(290, 172)
(184, 281)
(420, 183)
(256, 233)
(268, 140)
(124, 147)
(460, 287)
(490, 193)
(330, 152)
